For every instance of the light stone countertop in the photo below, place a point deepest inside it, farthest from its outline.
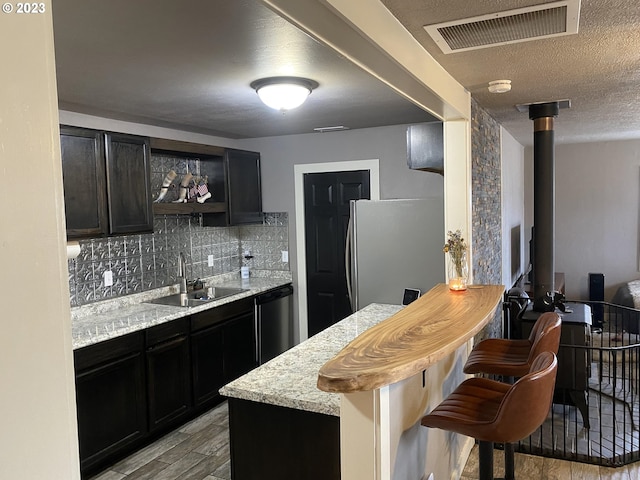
(109, 319)
(289, 380)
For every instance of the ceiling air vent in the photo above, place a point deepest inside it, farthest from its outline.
(512, 26)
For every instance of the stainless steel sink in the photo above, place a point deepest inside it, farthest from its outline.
(197, 297)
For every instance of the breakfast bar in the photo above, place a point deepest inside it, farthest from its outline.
(347, 403)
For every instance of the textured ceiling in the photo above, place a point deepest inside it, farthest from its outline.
(598, 69)
(188, 65)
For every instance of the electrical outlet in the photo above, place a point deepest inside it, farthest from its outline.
(108, 278)
(210, 260)
(285, 256)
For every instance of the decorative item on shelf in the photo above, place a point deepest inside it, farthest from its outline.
(199, 190)
(203, 190)
(166, 183)
(457, 268)
(183, 188)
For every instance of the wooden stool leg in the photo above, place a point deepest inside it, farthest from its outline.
(485, 454)
(509, 465)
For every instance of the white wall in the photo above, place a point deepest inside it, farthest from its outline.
(513, 223)
(39, 436)
(597, 199)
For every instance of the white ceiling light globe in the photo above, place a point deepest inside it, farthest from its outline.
(283, 96)
(283, 93)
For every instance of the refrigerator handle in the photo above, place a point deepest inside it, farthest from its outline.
(347, 261)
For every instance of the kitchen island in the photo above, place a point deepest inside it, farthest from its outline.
(368, 419)
(278, 407)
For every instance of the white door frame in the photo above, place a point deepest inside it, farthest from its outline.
(299, 170)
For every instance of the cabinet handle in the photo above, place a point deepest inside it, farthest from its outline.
(168, 343)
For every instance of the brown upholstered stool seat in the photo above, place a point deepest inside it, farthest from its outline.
(492, 411)
(513, 358)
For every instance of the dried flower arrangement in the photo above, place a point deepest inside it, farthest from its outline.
(456, 247)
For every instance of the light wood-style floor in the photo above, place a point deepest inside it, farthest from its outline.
(531, 467)
(199, 450)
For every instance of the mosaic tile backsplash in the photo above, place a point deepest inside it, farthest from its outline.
(144, 262)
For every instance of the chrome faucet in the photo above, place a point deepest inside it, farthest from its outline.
(182, 273)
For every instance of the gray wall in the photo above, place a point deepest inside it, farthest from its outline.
(597, 198)
(388, 144)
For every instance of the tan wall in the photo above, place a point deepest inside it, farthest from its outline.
(38, 439)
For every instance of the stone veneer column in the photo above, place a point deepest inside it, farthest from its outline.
(486, 206)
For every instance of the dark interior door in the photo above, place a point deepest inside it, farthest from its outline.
(326, 199)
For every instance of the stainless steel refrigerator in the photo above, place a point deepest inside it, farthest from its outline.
(393, 245)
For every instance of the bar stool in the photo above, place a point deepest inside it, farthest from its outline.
(492, 411)
(513, 358)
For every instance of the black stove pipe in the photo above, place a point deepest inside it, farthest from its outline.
(543, 260)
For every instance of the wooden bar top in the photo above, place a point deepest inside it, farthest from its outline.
(416, 337)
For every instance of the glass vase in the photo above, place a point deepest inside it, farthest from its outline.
(458, 271)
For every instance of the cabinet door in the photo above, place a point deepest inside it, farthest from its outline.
(244, 192)
(110, 397)
(168, 382)
(239, 347)
(128, 183)
(83, 174)
(207, 365)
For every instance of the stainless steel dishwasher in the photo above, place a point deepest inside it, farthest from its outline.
(273, 323)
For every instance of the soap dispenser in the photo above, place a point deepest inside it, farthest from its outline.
(244, 270)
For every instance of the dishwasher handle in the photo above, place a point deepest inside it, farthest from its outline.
(274, 294)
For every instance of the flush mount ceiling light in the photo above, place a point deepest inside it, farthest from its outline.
(283, 93)
(500, 86)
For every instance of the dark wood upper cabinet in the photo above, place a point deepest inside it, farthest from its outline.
(106, 183)
(84, 180)
(244, 190)
(234, 180)
(128, 183)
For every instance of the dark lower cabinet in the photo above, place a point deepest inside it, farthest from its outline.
(239, 346)
(133, 388)
(168, 373)
(222, 348)
(270, 442)
(207, 355)
(110, 396)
